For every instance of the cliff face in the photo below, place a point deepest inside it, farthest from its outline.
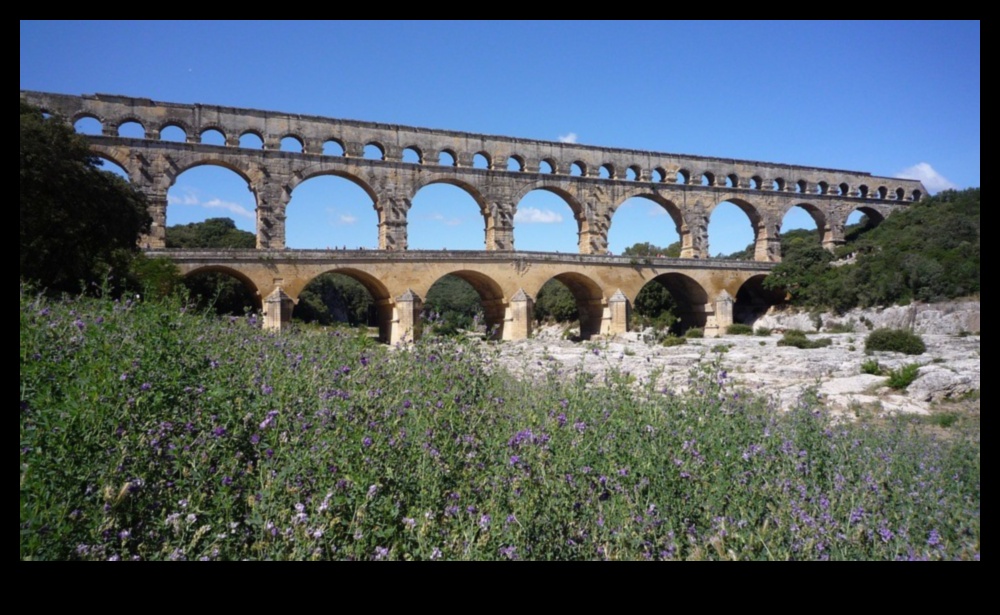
(949, 318)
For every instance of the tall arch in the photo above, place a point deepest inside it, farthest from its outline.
(735, 231)
(327, 291)
(447, 213)
(208, 189)
(549, 219)
(805, 217)
(646, 218)
(331, 211)
(689, 297)
(589, 300)
(753, 300)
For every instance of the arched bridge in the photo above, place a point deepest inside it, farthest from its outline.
(497, 172)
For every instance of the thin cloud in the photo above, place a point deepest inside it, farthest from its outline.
(533, 215)
(569, 137)
(190, 199)
(347, 219)
(446, 221)
(932, 180)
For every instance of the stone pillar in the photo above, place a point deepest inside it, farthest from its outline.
(406, 323)
(518, 317)
(393, 208)
(616, 319)
(723, 315)
(156, 205)
(278, 310)
(594, 233)
(768, 245)
(500, 226)
(353, 149)
(272, 198)
(694, 237)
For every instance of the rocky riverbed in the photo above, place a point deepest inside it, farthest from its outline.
(949, 370)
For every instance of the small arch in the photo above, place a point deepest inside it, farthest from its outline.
(482, 161)
(683, 176)
(88, 125)
(708, 178)
(863, 191)
(686, 303)
(586, 295)
(131, 130)
(291, 143)
(756, 182)
(174, 133)
(607, 171)
(491, 302)
(845, 189)
(546, 167)
(447, 158)
(348, 296)
(917, 195)
(778, 185)
(883, 192)
(633, 173)
(374, 151)
(211, 136)
(753, 300)
(733, 181)
(822, 188)
(251, 140)
(224, 290)
(111, 165)
(860, 221)
(515, 163)
(413, 155)
(333, 147)
(578, 169)
(806, 218)
(802, 187)
(659, 175)
(900, 194)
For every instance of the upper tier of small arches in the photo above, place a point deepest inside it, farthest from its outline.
(251, 129)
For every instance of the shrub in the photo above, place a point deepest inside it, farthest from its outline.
(739, 329)
(903, 377)
(895, 340)
(721, 348)
(871, 367)
(672, 340)
(695, 333)
(763, 332)
(798, 339)
(841, 327)
(944, 420)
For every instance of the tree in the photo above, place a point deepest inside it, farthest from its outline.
(218, 233)
(77, 222)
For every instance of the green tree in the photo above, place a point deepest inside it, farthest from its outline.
(77, 222)
(220, 233)
(555, 301)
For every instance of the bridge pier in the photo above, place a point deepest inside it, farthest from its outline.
(616, 319)
(278, 308)
(406, 324)
(518, 317)
(719, 322)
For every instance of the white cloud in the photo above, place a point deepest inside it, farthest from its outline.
(932, 180)
(190, 199)
(446, 221)
(347, 219)
(533, 215)
(570, 137)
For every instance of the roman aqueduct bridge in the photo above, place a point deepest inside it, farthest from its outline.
(497, 172)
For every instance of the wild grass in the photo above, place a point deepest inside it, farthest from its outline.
(150, 432)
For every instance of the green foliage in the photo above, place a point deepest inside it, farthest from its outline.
(841, 327)
(78, 224)
(158, 278)
(649, 250)
(721, 348)
(739, 329)
(762, 332)
(655, 307)
(555, 302)
(928, 251)
(871, 367)
(671, 341)
(453, 300)
(218, 233)
(694, 333)
(332, 298)
(895, 340)
(903, 377)
(944, 420)
(798, 339)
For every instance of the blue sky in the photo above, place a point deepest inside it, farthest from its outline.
(890, 98)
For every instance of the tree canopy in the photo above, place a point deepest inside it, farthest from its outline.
(78, 223)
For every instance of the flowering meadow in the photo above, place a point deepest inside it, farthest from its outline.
(150, 432)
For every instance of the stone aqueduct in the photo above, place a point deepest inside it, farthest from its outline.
(497, 172)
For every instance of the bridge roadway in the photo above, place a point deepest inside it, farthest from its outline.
(605, 287)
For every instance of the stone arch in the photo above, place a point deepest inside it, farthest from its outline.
(633, 173)
(450, 153)
(80, 123)
(246, 135)
(383, 302)
(292, 142)
(882, 192)
(184, 165)
(482, 160)
(491, 294)
(917, 195)
(174, 123)
(708, 178)
(756, 182)
(373, 150)
(900, 194)
(342, 212)
(120, 159)
(207, 135)
(671, 208)
(337, 148)
(608, 171)
(583, 226)
(845, 189)
(753, 300)
(814, 211)
(589, 300)
(762, 239)
(469, 189)
(516, 163)
(124, 122)
(683, 177)
(244, 279)
(658, 175)
(733, 180)
(691, 298)
(578, 168)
